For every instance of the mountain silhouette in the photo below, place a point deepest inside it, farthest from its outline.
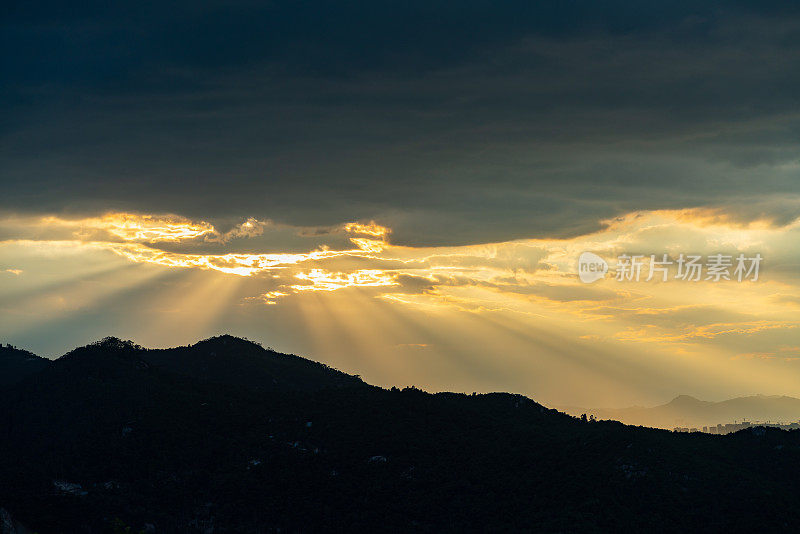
(113, 437)
(687, 411)
(16, 364)
(239, 362)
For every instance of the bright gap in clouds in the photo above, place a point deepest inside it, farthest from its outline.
(499, 316)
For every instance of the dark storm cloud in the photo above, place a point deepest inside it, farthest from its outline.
(449, 122)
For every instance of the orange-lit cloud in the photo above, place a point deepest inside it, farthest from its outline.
(134, 228)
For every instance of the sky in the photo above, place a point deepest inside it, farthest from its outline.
(403, 189)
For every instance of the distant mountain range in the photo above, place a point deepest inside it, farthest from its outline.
(687, 411)
(226, 436)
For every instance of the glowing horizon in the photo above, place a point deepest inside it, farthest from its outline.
(518, 295)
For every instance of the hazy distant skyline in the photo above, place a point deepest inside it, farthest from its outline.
(402, 191)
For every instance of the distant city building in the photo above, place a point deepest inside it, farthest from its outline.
(727, 428)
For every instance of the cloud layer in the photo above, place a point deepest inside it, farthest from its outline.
(449, 123)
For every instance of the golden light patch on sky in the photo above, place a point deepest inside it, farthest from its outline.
(321, 280)
(133, 227)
